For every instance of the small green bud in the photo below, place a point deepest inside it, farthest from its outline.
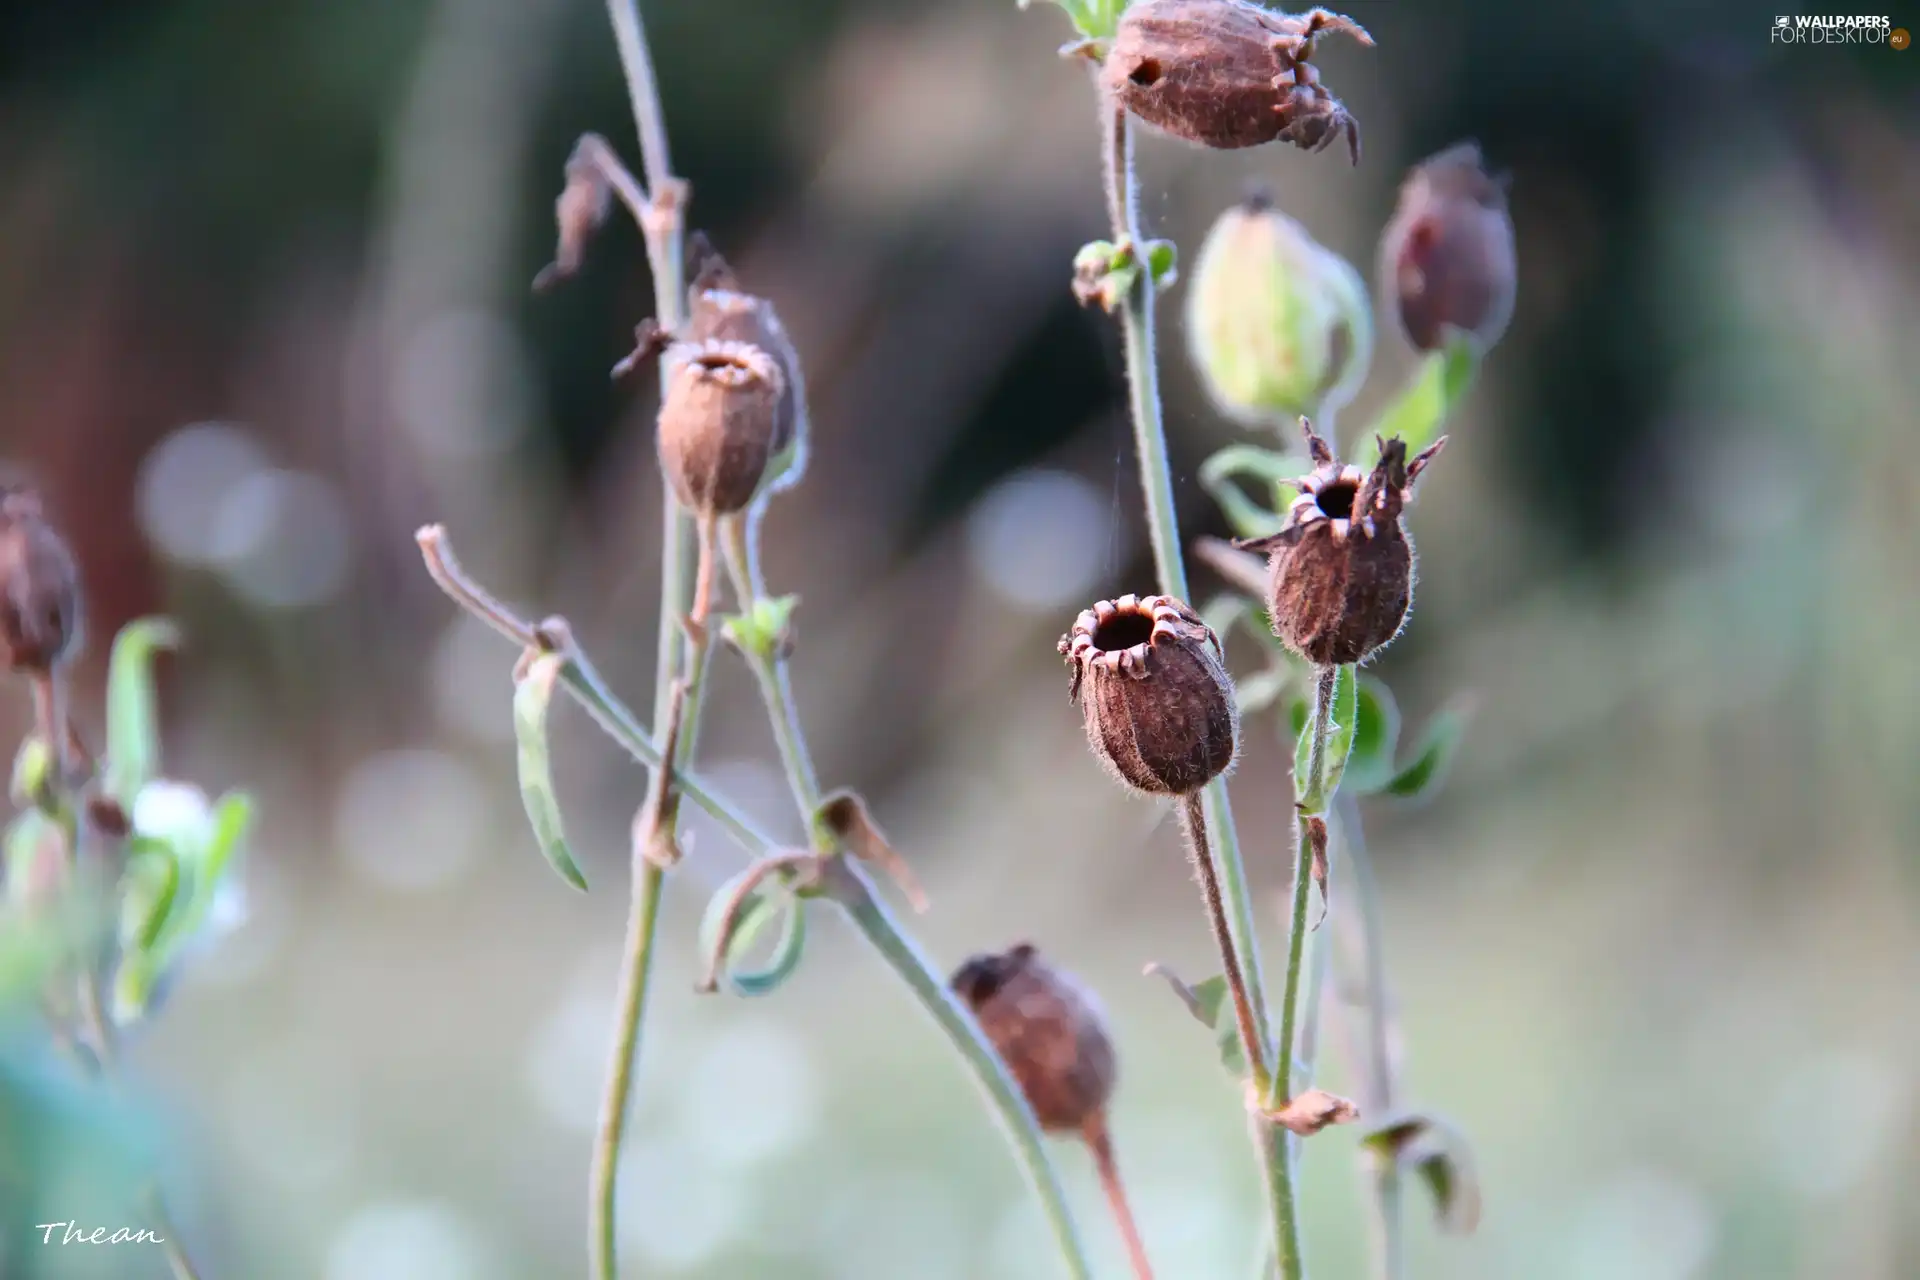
(1277, 324)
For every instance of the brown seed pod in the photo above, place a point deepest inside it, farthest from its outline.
(1447, 257)
(1340, 577)
(1228, 74)
(717, 423)
(1048, 1029)
(1158, 704)
(40, 611)
(718, 309)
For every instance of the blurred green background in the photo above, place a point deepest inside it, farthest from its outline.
(264, 310)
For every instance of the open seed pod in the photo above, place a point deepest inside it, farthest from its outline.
(1158, 704)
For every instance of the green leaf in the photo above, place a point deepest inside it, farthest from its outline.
(530, 701)
(1437, 386)
(1219, 476)
(761, 908)
(133, 716)
(150, 888)
(1162, 261)
(1339, 745)
(33, 774)
(1210, 1005)
(1421, 777)
(1376, 732)
(1440, 1155)
(762, 632)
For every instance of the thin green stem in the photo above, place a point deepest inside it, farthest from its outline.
(1136, 316)
(629, 1007)
(853, 891)
(1389, 1238)
(1009, 1106)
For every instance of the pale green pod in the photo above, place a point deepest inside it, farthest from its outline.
(1278, 325)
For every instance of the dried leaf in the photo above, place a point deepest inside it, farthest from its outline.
(1313, 1111)
(844, 817)
(582, 206)
(1317, 842)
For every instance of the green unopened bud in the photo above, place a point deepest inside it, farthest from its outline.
(1278, 324)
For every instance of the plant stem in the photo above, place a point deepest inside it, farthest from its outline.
(1389, 1241)
(1292, 1262)
(1100, 1143)
(630, 1005)
(1163, 531)
(849, 887)
(675, 701)
(1312, 784)
(1252, 1043)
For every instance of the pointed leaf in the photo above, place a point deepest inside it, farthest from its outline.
(764, 631)
(1208, 1002)
(1440, 1155)
(1162, 261)
(530, 701)
(1339, 746)
(1421, 776)
(150, 890)
(1376, 732)
(133, 716)
(1438, 384)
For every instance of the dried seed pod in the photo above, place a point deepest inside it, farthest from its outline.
(1158, 704)
(718, 309)
(1048, 1029)
(1227, 74)
(1278, 325)
(1340, 577)
(40, 622)
(1447, 257)
(717, 423)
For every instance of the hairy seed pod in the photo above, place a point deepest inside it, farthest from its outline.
(1340, 577)
(718, 309)
(1447, 257)
(1228, 74)
(1048, 1029)
(1158, 704)
(717, 423)
(40, 620)
(1278, 325)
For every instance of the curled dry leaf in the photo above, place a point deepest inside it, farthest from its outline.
(578, 211)
(1313, 1111)
(845, 816)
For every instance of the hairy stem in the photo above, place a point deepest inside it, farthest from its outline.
(849, 887)
(1389, 1242)
(1163, 531)
(1321, 728)
(1100, 1143)
(1252, 1043)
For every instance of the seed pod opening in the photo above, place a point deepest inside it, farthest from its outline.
(40, 604)
(718, 309)
(1227, 74)
(1340, 576)
(1158, 705)
(1447, 257)
(1048, 1029)
(1278, 325)
(718, 417)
